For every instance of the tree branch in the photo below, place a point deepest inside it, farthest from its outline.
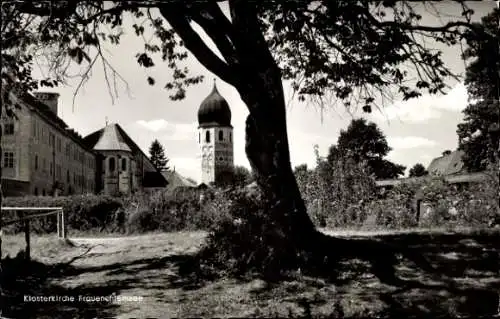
(175, 16)
(217, 26)
(409, 27)
(251, 46)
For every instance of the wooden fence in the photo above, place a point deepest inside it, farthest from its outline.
(25, 217)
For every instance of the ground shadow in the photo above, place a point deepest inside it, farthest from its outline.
(419, 274)
(410, 275)
(23, 281)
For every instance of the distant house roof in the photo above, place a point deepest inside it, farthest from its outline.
(447, 164)
(176, 180)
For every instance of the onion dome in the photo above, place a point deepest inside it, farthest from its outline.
(214, 110)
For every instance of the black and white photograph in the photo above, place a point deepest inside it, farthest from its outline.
(249, 159)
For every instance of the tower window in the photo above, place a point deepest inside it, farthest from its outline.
(221, 135)
(67, 176)
(230, 136)
(207, 136)
(36, 162)
(112, 164)
(199, 137)
(124, 164)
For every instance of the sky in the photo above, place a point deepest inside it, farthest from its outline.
(418, 130)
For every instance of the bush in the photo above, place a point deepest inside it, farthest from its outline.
(474, 205)
(83, 212)
(336, 191)
(243, 239)
(173, 211)
(343, 195)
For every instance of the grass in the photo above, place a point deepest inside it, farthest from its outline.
(466, 280)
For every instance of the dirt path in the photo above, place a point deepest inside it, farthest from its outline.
(128, 263)
(146, 270)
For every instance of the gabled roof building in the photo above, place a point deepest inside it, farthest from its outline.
(42, 156)
(122, 167)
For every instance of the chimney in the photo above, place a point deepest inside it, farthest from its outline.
(48, 98)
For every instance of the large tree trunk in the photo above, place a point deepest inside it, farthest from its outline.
(268, 153)
(260, 87)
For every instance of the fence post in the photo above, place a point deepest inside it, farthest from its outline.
(419, 204)
(27, 253)
(59, 233)
(63, 222)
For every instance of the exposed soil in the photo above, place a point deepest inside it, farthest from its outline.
(146, 267)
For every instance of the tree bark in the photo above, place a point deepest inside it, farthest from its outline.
(267, 150)
(266, 146)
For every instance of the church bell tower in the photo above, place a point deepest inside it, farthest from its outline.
(215, 139)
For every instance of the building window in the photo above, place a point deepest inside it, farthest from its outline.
(67, 176)
(124, 164)
(44, 165)
(221, 135)
(8, 129)
(67, 149)
(8, 159)
(52, 140)
(112, 164)
(59, 145)
(207, 136)
(36, 162)
(51, 169)
(43, 192)
(36, 191)
(230, 136)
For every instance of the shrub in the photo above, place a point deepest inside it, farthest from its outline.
(450, 205)
(83, 212)
(173, 211)
(244, 239)
(141, 221)
(335, 192)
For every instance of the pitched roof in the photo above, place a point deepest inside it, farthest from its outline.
(110, 139)
(44, 111)
(114, 138)
(176, 180)
(447, 164)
